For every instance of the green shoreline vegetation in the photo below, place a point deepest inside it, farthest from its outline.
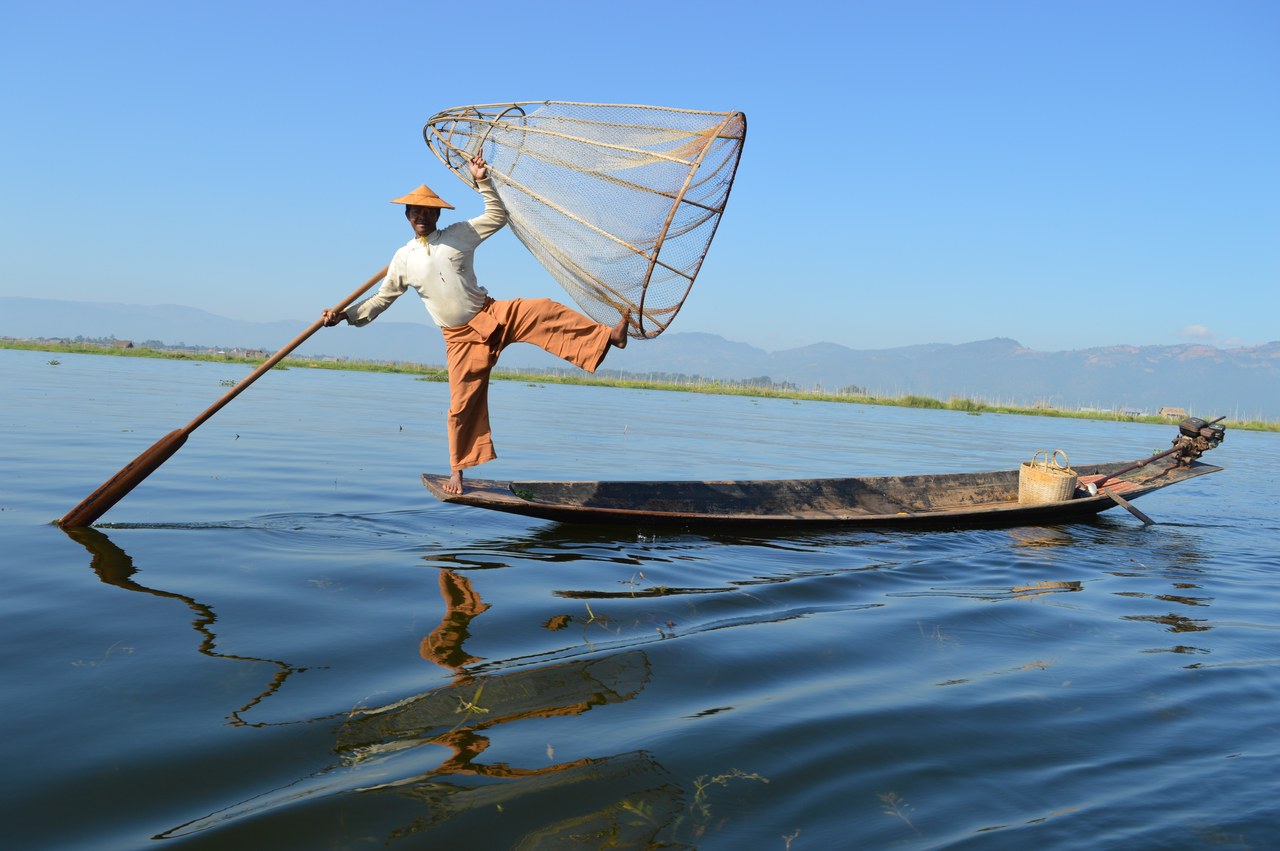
(763, 388)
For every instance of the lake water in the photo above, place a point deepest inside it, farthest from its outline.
(280, 640)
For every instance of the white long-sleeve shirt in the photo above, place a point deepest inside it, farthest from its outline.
(440, 267)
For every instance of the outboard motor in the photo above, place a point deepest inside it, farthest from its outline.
(1196, 437)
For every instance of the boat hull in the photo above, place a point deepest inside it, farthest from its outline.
(949, 499)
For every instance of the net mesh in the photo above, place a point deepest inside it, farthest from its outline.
(619, 203)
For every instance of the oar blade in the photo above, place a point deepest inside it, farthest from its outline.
(114, 489)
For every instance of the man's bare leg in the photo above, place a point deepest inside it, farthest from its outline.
(454, 485)
(618, 334)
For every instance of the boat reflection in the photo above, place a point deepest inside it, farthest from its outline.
(602, 795)
(624, 801)
(1041, 537)
(627, 797)
(394, 750)
(115, 567)
(1044, 587)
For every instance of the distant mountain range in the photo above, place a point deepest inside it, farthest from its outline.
(1243, 383)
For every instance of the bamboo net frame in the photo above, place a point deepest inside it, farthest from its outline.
(618, 202)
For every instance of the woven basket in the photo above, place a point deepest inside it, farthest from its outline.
(1046, 480)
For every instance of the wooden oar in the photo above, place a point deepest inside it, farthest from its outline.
(115, 488)
(1127, 506)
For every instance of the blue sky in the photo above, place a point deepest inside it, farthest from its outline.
(1068, 174)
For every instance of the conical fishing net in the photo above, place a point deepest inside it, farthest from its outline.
(619, 203)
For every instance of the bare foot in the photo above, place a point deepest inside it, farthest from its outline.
(454, 485)
(618, 334)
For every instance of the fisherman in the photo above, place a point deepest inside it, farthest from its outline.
(439, 265)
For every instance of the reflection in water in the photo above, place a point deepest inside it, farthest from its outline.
(1038, 537)
(567, 542)
(997, 593)
(115, 567)
(444, 645)
(1175, 623)
(444, 757)
(457, 717)
(558, 543)
(643, 800)
(1178, 557)
(622, 800)
(1046, 586)
(1175, 556)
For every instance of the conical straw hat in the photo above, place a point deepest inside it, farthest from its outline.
(422, 197)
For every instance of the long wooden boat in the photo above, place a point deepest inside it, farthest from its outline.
(948, 499)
